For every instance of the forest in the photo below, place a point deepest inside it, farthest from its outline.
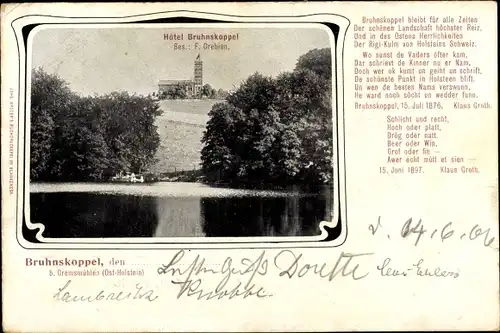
(88, 138)
(274, 131)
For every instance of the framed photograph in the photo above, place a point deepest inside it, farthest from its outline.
(208, 137)
(254, 167)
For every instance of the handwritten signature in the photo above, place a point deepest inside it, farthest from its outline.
(65, 295)
(289, 264)
(416, 269)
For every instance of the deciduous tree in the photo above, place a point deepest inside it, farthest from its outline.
(275, 131)
(75, 138)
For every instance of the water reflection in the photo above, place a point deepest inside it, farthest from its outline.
(109, 215)
(178, 217)
(283, 216)
(93, 215)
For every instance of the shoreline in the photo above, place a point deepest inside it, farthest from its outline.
(160, 189)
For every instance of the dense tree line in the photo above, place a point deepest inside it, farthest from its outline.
(76, 138)
(212, 93)
(274, 130)
(173, 92)
(178, 91)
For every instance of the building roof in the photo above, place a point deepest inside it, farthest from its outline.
(172, 82)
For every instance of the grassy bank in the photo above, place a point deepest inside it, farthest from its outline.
(180, 134)
(181, 176)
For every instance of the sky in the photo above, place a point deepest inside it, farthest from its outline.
(102, 60)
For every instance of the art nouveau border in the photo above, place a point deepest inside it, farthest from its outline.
(333, 233)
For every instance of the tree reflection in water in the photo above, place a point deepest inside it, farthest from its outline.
(67, 215)
(96, 215)
(264, 216)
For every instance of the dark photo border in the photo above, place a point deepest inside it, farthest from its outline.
(184, 16)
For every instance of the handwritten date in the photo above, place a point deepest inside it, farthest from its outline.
(416, 230)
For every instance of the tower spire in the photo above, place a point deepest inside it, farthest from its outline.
(198, 75)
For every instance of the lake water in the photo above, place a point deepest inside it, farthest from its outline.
(174, 210)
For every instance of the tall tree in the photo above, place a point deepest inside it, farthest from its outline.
(219, 159)
(42, 134)
(50, 97)
(276, 131)
(89, 138)
(317, 60)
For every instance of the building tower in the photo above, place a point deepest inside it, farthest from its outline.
(198, 75)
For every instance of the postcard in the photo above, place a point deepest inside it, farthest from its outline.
(250, 167)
